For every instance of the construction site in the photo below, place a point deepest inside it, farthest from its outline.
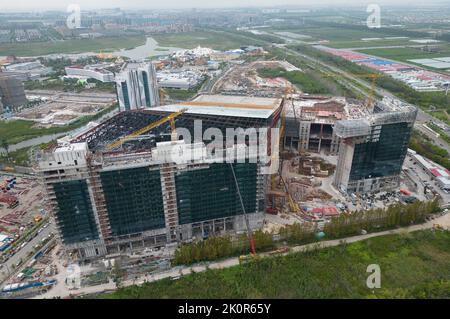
(55, 108)
(133, 188)
(132, 185)
(244, 80)
(21, 200)
(310, 121)
(111, 172)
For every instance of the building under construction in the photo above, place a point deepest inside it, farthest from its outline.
(373, 148)
(310, 122)
(371, 144)
(12, 93)
(149, 189)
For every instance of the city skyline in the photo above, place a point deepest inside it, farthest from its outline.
(177, 4)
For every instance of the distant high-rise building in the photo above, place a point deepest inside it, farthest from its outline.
(373, 148)
(137, 86)
(12, 92)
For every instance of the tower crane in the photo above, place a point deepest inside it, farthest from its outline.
(162, 96)
(247, 223)
(287, 90)
(171, 117)
(373, 77)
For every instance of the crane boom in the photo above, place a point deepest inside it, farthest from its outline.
(171, 117)
(373, 77)
(247, 223)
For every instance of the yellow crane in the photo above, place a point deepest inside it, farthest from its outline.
(373, 77)
(162, 96)
(171, 117)
(287, 90)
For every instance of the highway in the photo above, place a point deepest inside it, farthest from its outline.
(422, 117)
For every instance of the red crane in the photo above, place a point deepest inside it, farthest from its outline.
(249, 231)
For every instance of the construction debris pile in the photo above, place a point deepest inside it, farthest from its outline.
(244, 80)
(310, 166)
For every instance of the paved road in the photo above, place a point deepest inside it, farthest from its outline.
(23, 253)
(436, 141)
(422, 117)
(62, 291)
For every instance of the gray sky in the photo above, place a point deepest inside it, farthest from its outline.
(149, 4)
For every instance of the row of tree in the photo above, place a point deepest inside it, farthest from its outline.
(345, 225)
(220, 247)
(423, 145)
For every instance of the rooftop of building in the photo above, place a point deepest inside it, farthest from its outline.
(75, 147)
(387, 111)
(322, 109)
(134, 65)
(214, 111)
(97, 68)
(8, 74)
(227, 105)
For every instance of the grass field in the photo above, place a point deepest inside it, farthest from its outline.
(71, 46)
(19, 157)
(442, 115)
(405, 54)
(338, 34)
(414, 265)
(366, 44)
(346, 38)
(18, 130)
(210, 39)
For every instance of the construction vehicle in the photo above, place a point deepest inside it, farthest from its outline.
(37, 218)
(293, 205)
(171, 117)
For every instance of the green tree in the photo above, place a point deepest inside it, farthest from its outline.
(4, 143)
(117, 273)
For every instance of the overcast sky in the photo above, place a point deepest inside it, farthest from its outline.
(153, 4)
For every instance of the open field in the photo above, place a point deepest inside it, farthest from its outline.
(211, 39)
(348, 38)
(19, 157)
(372, 43)
(71, 46)
(16, 131)
(414, 265)
(408, 53)
(339, 34)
